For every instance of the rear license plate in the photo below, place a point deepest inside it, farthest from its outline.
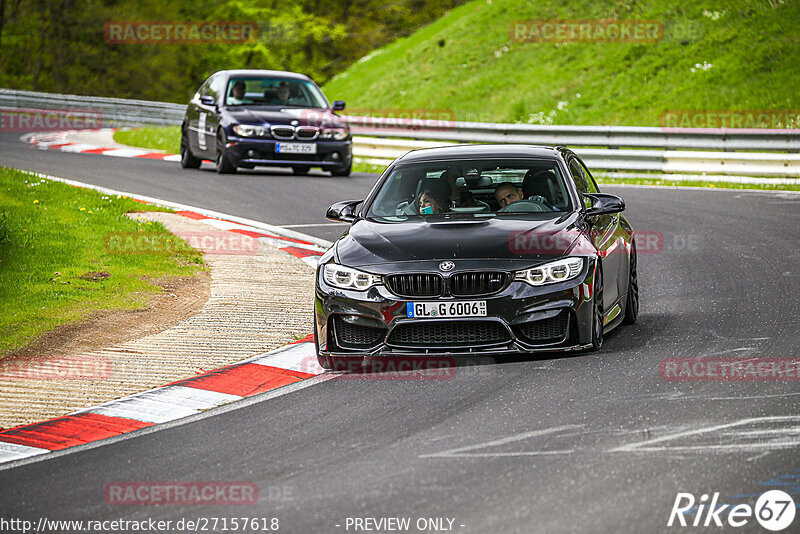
(467, 308)
(296, 148)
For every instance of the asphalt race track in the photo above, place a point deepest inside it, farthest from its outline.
(582, 443)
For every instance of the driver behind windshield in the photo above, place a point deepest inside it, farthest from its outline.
(507, 193)
(237, 94)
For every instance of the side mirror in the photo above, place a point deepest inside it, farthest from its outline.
(338, 105)
(344, 211)
(603, 204)
(208, 100)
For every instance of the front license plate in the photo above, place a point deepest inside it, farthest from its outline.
(467, 308)
(295, 148)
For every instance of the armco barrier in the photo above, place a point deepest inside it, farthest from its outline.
(380, 151)
(759, 152)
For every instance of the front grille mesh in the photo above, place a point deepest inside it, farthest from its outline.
(357, 336)
(448, 333)
(551, 329)
(306, 133)
(282, 132)
(415, 285)
(482, 283)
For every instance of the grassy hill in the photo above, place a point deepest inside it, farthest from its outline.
(741, 55)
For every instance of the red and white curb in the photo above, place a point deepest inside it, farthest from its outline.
(306, 251)
(287, 365)
(60, 141)
(188, 397)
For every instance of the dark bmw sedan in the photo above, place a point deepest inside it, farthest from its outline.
(249, 118)
(478, 249)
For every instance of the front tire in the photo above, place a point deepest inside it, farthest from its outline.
(343, 171)
(322, 360)
(188, 160)
(597, 309)
(223, 164)
(632, 301)
(301, 169)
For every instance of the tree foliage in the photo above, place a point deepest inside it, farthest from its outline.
(60, 46)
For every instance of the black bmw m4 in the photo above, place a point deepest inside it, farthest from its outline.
(476, 249)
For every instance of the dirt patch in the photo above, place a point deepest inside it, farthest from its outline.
(94, 276)
(180, 299)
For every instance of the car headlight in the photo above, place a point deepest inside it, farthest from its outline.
(337, 134)
(550, 273)
(250, 130)
(347, 278)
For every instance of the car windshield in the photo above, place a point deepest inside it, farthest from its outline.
(472, 189)
(280, 92)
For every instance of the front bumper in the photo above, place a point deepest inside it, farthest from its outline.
(521, 319)
(261, 152)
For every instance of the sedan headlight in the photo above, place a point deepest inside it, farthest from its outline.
(347, 278)
(250, 130)
(337, 134)
(550, 273)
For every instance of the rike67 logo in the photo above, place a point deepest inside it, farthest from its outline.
(774, 510)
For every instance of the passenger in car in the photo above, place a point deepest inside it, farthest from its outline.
(507, 193)
(431, 203)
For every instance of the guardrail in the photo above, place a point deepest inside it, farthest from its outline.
(584, 136)
(109, 111)
(380, 151)
(380, 140)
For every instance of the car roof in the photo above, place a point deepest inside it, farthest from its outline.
(272, 73)
(483, 151)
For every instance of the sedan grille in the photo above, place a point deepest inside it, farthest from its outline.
(552, 329)
(356, 336)
(484, 283)
(282, 132)
(415, 285)
(448, 333)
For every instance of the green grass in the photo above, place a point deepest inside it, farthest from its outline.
(466, 63)
(50, 235)
(166, 138)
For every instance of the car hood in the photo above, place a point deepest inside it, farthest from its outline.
(322, 118)
(370, 242)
